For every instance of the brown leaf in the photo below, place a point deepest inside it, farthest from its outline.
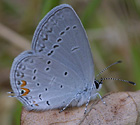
(122, 108)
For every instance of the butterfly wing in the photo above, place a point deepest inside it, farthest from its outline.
(59, 65)
(39, 83)
(61, 36)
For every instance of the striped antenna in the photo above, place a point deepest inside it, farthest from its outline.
(107, 68)
(119, 80)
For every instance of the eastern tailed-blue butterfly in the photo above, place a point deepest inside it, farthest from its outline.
(58, 71)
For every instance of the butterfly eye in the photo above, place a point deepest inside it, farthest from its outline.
(96, 84)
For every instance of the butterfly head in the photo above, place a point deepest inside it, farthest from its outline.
(98, 84)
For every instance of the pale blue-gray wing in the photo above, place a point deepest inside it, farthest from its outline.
(42, 83)
(61, 37)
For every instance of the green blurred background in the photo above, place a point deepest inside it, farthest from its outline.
(113, 29)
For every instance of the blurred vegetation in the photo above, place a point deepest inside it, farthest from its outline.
(113, 29)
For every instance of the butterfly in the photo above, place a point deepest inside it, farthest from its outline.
(58, 71)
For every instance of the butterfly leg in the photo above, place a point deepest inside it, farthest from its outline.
(66, 106)
(101, 98)
(87, 103)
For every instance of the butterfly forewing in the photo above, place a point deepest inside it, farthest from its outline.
(61, 36)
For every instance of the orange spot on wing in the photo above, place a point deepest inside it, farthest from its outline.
(36, 105)
(23, 83)
(26, 91)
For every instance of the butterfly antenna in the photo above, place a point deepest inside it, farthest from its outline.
(108, 67)
(102, 79)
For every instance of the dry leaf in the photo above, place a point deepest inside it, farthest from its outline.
(122, 109)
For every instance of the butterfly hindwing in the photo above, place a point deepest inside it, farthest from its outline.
(39, 81)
